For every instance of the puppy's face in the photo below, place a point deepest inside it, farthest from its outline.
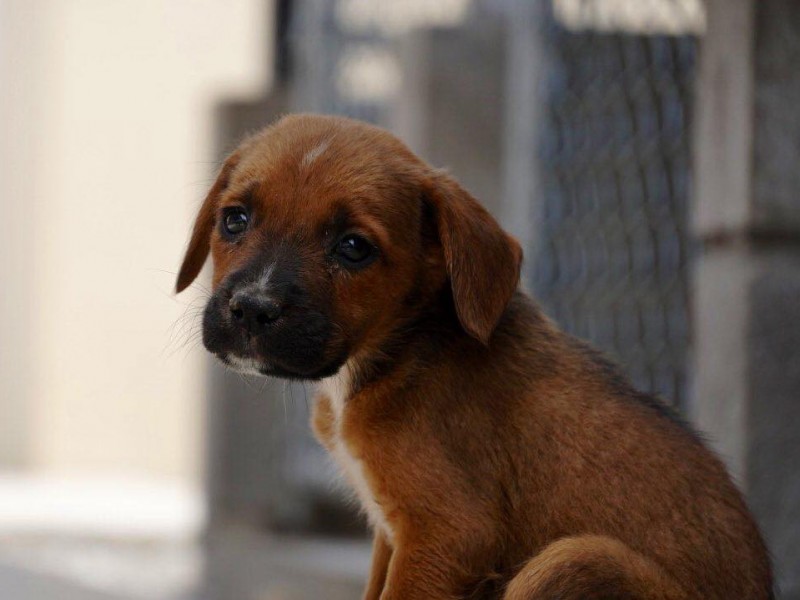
(327, 237)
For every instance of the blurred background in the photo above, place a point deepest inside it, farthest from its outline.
(645, 153)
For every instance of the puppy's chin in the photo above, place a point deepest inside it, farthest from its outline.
(245, 366)
(252, 366)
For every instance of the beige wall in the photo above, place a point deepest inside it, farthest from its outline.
(105, 145)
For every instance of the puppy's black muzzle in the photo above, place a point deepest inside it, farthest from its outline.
(265, 315)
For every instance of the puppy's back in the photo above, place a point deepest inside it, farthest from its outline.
(608, 459)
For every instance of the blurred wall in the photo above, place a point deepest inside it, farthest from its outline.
(105, 154)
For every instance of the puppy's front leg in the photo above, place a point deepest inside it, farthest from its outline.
(381, 554)
(421, 573)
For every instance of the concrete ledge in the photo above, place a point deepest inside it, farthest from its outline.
(241, 564)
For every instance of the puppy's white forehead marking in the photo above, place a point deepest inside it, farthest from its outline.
(314, 153)
(261, 284)
(338, 389)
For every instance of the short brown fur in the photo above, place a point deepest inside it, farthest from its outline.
(507, 459)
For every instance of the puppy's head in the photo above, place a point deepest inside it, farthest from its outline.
(327, 237)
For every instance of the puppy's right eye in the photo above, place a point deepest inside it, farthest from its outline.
(234, 221)
(354, 251)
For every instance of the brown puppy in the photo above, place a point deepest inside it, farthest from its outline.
(495, 456)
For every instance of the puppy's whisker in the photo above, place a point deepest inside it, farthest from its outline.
(194, 285)
(184, 330)
(286, 386)
(305, 395)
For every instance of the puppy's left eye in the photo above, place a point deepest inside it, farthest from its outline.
(354, 250)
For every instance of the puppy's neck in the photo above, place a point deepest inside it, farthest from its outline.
(413, 350)
(339, 387)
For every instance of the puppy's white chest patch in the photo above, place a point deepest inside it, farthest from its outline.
(338, 388)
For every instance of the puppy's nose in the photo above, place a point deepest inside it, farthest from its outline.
(254, 311)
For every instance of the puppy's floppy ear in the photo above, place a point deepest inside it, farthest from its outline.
(198, 248)
(482, 260)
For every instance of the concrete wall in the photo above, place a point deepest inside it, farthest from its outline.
(105, 153)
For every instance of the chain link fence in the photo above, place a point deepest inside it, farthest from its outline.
(612, 240)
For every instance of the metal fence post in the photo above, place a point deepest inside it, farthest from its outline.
(525, 49)
(746, 212)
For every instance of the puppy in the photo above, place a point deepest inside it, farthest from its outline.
(495, 456)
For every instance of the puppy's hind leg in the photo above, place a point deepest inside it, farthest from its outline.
(592, 567)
